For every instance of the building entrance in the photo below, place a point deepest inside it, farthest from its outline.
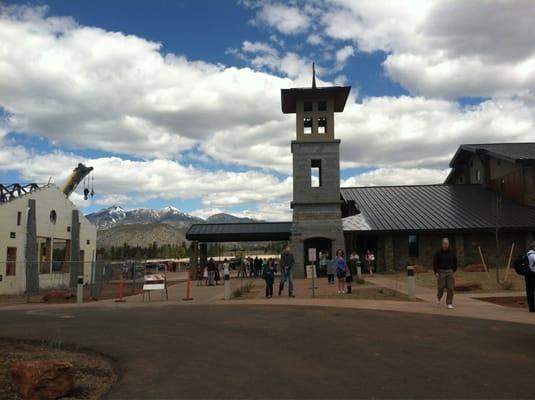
(319, 244)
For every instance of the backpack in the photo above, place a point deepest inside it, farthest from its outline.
(521, 265)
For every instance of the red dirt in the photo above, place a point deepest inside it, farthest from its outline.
(509, 301)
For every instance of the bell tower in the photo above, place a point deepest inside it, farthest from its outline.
(316, 204)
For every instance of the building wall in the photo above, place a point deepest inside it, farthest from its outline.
(392, 250)
(47, 199)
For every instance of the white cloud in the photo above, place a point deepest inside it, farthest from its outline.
(120, 181)
(286, 19)
(444, 48)
(342, 55)
(397, 176)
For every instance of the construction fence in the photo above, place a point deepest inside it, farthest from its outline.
(101, 278)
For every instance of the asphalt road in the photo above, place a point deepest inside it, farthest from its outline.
(238, 351)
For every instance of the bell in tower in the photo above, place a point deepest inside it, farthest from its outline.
(316, 205)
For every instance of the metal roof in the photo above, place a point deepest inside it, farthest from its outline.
(339, 93)
(240, 232)
(513, 152)
(432, 208)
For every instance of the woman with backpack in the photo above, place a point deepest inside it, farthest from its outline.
(529, 277)
(341, 270)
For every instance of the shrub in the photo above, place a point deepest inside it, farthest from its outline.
(507, 285)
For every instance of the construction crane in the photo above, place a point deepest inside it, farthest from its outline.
(78, 174)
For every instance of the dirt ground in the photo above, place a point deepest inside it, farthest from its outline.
(487, 280)
(508, 301)
(94, 373)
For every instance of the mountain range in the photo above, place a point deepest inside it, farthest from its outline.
(143, 226)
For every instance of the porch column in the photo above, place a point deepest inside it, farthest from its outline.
(389, 253)
(459, 249)
(75, 250)
(32, 267)
(194, 259)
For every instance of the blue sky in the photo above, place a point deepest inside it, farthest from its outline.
(195, 122)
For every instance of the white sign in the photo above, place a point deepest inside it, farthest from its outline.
(154, 282)
(312, 254)
(309, 270)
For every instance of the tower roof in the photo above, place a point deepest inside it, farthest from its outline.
(339, 93)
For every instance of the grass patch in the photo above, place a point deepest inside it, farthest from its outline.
(368, 293)
(243, 291)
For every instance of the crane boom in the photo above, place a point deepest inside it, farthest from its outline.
(74, 179)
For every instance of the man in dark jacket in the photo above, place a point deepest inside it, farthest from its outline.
(445, 266)
(287, 263)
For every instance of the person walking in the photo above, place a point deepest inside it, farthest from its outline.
(331, 269)
(211, 272)
(530, 278)
(287, 264)
(445, 266)
(341, 270)
(268, 273)
(323, 261)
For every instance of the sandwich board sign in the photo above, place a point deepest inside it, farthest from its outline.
(154, 282)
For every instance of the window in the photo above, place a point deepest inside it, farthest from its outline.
(307, 106)
(44, 254)
(59, 255)
(53, 216)
(413, 246)
(478, 175)
(471, 163)
(307, 126)
(315, 173)
(322, 106)
(11, 261)
(322, 125)
(88, 241)
(68, 229)
(12, 235)
(19, 218)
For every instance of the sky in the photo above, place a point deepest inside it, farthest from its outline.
(178, 102)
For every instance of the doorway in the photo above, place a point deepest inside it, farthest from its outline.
(319, 244)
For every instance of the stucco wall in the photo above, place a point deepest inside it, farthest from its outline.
(47, 199)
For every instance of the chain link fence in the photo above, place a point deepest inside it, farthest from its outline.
(101, 279)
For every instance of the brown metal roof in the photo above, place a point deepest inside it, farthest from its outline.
(339, 93)
(433, 208)
(513, 152)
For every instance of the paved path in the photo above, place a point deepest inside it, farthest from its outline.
(466, 305)
(243, 351)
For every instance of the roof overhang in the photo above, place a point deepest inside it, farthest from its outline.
(240, 232)
(338, 93)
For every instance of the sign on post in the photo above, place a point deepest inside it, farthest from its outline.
(312, 254)
(155, 282)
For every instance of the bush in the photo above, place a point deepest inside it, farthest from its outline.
(360, 281)
(242, 290)
(507, 285)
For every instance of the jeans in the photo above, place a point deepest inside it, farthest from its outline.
(287, 274)
(530, 290)
(446, 281)
(269, 286)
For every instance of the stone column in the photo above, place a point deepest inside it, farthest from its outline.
(389, 253)
(75, 249)
(203, 253)
(459, 249)
(194, 259)
(32, 267)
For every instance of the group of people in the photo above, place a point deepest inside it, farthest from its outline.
(343, 269)
(251, 267)
(444, 267)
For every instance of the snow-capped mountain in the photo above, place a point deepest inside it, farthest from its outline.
(109, 217)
